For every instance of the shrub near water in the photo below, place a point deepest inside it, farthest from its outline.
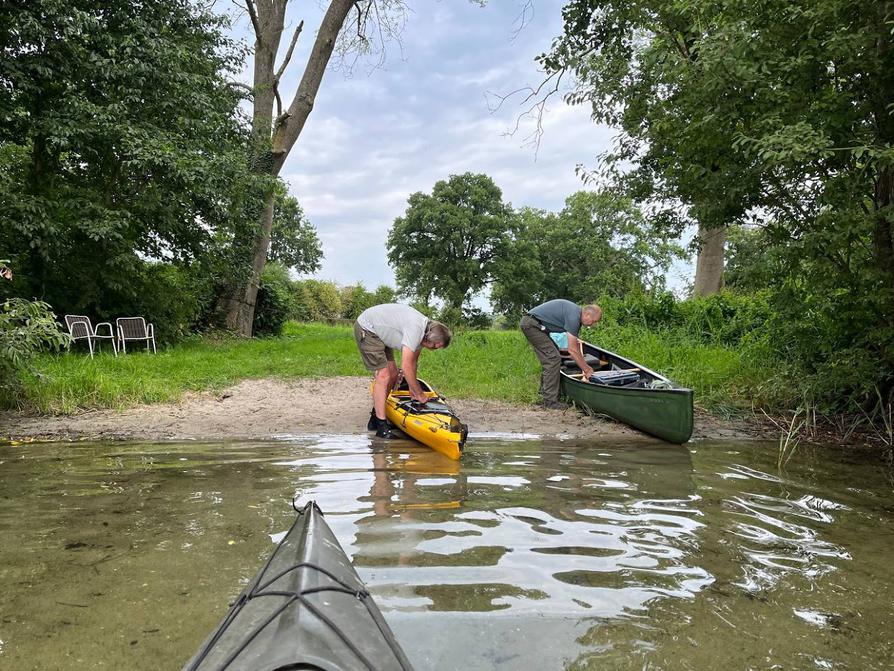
(26, 327)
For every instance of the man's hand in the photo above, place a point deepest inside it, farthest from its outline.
(587, 371)
(419, 397)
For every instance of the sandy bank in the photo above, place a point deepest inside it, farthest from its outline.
(255, 409)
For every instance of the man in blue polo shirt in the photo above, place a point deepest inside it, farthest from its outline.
(557, 316)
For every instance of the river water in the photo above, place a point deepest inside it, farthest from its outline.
(529, 554)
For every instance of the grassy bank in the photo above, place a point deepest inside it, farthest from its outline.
(495, 365)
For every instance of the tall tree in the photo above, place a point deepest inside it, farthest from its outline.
(275, 130)
(638, 65)
(802, 96)
(599, 244)
(293, 239)
(120, 140)
(446, 242)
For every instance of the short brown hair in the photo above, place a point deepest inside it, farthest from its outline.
(593, 309)
(437, 333)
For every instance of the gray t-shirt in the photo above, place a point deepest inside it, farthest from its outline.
(397, 325)
(558, 316)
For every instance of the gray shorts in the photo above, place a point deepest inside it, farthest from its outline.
(373, 351)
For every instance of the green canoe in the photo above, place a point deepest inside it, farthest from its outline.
(630, 393)
(306, 609)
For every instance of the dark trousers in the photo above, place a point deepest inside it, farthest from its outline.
(547, 353)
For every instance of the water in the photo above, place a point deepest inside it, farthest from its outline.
(527, 555)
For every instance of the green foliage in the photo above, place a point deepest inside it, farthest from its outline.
(753, 262)
(773, 112)
(446, 242)
(274, 302)
(354, 300)
(726, 318)
(26, 327)
(293, 240)
(599, 244)
(316, 300)
(176, 299)
(465, 318)
(120, 140)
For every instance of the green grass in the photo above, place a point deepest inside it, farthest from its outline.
(495, 365)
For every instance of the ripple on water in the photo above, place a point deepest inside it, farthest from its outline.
(527, 554)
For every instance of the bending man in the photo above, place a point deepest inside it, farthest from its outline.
(379, 331)
(557, 316)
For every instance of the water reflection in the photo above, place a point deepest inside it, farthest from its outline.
(527, 554)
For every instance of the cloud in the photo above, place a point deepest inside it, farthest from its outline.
(373, 140)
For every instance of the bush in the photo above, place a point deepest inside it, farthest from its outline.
(725, 318)
(26, 327)
(275, 301)
(354, 300)
(175, 299)
(315, 301)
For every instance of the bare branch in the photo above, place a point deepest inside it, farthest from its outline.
(525, 16)
(363, 19)
(252, 12)
(282, 68)
(241, 85)
(536, 110)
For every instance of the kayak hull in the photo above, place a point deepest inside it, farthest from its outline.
(307, 608)
(441, 431)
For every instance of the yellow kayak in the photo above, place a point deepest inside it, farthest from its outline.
(433, 424)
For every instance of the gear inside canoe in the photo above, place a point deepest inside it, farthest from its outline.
(306, 609)
(433, 424)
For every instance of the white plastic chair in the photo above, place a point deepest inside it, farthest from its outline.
(80, 328)
(134, 328)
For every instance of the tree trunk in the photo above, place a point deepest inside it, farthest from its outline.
(709, 267)
(241, 312)
(274, 138)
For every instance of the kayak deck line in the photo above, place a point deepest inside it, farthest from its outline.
(267, 627)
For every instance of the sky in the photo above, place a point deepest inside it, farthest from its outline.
(428, 111)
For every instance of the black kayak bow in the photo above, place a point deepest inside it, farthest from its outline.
(306, 609)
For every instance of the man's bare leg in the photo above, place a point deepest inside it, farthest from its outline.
(385, 380)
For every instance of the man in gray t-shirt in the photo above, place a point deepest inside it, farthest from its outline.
(379, 331)
(557, 316)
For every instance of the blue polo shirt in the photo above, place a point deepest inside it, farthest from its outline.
(558, 316)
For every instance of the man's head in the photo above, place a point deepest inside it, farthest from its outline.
(590, 314)
(437, 336)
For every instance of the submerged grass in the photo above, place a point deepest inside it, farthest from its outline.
(495, 365)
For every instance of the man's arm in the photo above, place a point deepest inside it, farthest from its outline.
(408, 360)
(576, 351)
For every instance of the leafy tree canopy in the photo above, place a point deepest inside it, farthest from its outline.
(446, 243)
(293, 241)
(778, 112)
(120, 140)
(599, 244)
